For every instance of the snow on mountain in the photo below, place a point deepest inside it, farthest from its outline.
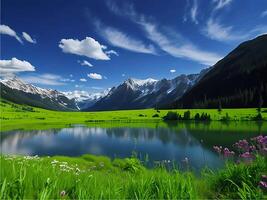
(18, 91)
(136, 93)
(85, 99)
(80, 95)
(18, 84)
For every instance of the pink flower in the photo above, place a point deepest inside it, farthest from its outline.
(218, 149)
(246, 155)
(242, 145)
(227, 152)
(263, 184)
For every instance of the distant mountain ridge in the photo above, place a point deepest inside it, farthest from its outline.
(18, 91)
(138, 94)
(85, 99)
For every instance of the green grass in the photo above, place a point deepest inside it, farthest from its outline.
(92, 177)
(14, 116)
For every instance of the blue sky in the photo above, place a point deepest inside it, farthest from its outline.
(93, 45)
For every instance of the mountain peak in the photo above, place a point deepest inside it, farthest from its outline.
(140, 82)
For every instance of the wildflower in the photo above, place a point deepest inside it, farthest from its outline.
(242, 145)
(263, 184)
(246, 155)
(62, 193)
(227, 152)
(218, 149)
(54, 162)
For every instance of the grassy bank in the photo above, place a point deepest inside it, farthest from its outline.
(14, 116)
(91, 177)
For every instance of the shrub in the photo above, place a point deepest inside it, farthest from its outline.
(172, 116)
(205, 117)
(155, 115)
(197, 116)
(186, 115)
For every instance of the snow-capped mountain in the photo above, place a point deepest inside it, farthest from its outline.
(16, 90)
(85, 99)
(137, 94)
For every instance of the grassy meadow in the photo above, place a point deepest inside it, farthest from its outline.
(91, 177)
(14, 116)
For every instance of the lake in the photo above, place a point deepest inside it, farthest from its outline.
(159, 142)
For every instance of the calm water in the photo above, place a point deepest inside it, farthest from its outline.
(159, 142)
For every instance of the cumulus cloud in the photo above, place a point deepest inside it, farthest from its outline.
(95, 76)
(173, 70)
(88, 47)
(44, 79)
(83, 80)
(4, 29)
(120, 39)
(28, 38)
(85, 63)
(15, 66)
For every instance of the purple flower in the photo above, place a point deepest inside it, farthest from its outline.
(263, 184)
(246, 155)
(227, 152)
(242, 145)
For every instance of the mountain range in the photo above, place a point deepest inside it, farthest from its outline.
(238, 80)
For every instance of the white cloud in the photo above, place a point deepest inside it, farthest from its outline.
(124, 41)
(178, 46)
(112, 52)
(88, 47)
(83, 80)
(4, 29)
(85, 63)
(123, 75)
(264, 13)
(173, 44)
(44, 79)
(28, 38)
(15, 66)
(221, 4)
(194, 12)
(216, 31)
(173, 70)
(95, 76)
